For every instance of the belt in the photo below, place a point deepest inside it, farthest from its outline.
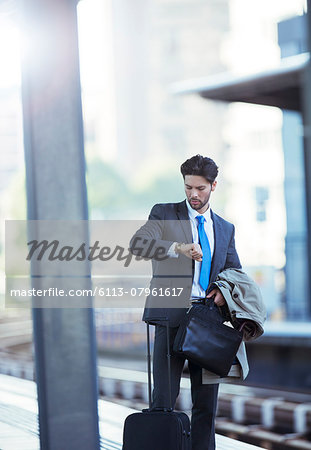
(197, 301)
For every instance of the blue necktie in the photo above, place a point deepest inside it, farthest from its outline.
(207, 257)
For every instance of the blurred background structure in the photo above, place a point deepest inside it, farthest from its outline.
(152, 75)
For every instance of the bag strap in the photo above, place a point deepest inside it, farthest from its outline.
(159, 320)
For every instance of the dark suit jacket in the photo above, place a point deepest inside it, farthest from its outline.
(168, 223)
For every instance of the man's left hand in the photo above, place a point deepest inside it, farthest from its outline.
(219, 299)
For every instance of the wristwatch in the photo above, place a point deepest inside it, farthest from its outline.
(178, 247)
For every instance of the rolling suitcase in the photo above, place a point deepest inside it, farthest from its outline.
(160, 429)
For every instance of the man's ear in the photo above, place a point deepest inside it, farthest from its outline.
(214, 184)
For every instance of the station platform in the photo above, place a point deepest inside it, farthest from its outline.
(19, 420)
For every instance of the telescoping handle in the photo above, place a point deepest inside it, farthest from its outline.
(159, 321)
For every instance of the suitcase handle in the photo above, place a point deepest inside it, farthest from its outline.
(158, 409)
(159, 320)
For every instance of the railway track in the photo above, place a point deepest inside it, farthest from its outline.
(272, 419)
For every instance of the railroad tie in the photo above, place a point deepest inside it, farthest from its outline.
(300, 418)
(238, 408)
(267, 411)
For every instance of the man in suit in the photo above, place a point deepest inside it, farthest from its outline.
(189, 246)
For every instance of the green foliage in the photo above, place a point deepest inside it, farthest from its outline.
(163, 189)
(110, 194)
(16, 198)
(106, 188)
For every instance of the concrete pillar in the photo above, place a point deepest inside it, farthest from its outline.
(64, 338)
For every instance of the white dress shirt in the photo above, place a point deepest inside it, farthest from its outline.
(197, 290)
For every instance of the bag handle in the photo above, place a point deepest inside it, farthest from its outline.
(223, 312)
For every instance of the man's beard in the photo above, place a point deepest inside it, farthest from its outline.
(200, 204)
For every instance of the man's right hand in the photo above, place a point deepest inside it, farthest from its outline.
(192, 251)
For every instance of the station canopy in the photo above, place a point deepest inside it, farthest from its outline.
(280, 86)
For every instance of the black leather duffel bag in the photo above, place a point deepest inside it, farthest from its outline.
(204, 339)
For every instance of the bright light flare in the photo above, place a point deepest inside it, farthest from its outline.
(10, 66)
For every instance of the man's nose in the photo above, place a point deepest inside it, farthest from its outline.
(194, 194)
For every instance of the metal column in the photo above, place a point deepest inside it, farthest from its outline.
(64, 338)
(306, 102)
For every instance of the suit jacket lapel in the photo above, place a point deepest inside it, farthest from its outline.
(182, 214)
(217, 245)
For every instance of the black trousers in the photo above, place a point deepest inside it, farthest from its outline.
(204, 396)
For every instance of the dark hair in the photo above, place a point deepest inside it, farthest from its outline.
(200, 165)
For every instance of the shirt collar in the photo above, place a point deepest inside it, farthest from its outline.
(193, 213)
